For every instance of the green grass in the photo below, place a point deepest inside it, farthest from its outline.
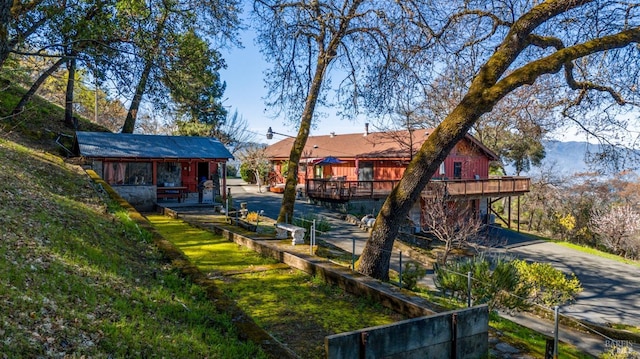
(209, 252)
(298, 309)
(39, 124)
(598, 253)
(632, 329)
(79, 278)
(287, 302)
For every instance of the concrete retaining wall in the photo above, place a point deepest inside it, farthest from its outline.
(142, 198)
(458, 334)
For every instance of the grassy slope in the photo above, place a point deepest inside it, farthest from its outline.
(79, 278)
(40, 123)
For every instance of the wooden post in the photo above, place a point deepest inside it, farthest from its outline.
(224, 181)
(518, 213)
(509, 212)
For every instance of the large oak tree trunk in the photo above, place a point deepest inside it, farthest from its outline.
(132, 114)
(377, 253)
(326, 53)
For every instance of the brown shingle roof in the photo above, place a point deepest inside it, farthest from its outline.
(374, 145)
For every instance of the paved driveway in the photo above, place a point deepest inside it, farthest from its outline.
(611, 289)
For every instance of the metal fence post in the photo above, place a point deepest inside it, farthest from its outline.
(312, 236)
(555, 334)
(469, 289)
(400, 275)
(353, 255)
(260, 213)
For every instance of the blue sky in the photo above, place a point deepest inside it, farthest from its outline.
(245, 92)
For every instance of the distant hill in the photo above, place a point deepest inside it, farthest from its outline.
(566, 158)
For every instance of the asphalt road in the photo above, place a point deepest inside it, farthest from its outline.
(611, 289)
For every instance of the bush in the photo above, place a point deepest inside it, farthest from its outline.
(549, 286)
(493, 282)
(411, 274)
(247, 174)
(508, 284)
(621, 352)
(252, 217)
(232, 171)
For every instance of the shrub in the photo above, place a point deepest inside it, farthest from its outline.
(621, 352)
(549, 286)
(252, 217)
(493, 282)
(509, 284)
(411, 274)
(232, 171)
(247, 174)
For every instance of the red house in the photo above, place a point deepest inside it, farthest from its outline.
(345, 168)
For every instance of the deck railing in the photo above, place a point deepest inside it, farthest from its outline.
(343, 190)
(482, 187)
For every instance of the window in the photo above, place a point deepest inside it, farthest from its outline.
(365, 171)
(128, 173)
(457, 170)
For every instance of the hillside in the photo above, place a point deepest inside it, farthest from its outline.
(40, 125)
(77, 276)
(567, 157)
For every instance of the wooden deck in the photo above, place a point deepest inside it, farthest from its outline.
(344, 191)
(488, 187)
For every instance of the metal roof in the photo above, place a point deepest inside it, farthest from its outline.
(124, 145)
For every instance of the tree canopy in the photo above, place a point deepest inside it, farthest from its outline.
(172, 46)
(587, 54)
(166, 51)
